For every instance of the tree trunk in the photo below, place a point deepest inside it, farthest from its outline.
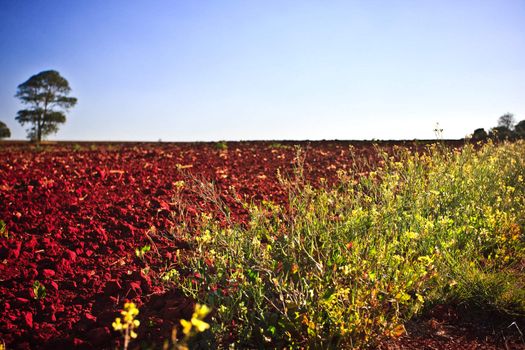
(39, 130)
(41, 123)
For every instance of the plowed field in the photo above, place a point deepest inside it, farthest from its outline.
(75, 213)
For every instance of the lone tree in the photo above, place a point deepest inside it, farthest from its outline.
(507, 121)
(4, 131)
(46, 95)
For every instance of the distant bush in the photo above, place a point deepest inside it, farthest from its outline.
(221, 145)
(501, 133)
(507, 129)
(278, 145)
(4, 131)
(519, 129)
(479, 135)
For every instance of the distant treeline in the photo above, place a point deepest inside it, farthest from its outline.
(507, 129)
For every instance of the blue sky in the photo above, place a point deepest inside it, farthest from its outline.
(245, 70)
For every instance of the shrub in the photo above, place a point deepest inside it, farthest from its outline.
(479, 135)
(221, 145)
(519, 129)
(4, 131)
(501, 133)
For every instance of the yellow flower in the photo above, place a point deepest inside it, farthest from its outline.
(186, 326)
(201, 311)
(131, 309)
(420, 298)
(127, 323)
(402, 297)
(117, 325)
(411, 235)
(200, 325)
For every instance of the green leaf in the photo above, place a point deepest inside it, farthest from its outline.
(39, 290)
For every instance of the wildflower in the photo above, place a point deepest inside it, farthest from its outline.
(411, 235)
(117, 325)
(201, 311)
(200, 325)
(347, 269)
(186, 326)
(127, 324)
(206, 237)
(129, 312)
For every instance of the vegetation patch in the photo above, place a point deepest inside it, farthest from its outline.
(345, 265)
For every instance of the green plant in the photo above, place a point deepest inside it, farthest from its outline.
(170, 275)
(221, 145)
(39, 290)
(278, 145)
(4, 130)
(3, 229)
(139, 253)
(342, 266)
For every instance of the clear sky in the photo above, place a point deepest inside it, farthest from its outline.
(182, 70)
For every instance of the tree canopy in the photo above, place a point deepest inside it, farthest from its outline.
(507, 121)
(501, 133)
(519, 129)
(46, 95)
(4, 131)
(507, 129)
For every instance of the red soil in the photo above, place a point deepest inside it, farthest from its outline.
(75, 216)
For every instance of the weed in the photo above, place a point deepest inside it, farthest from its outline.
(127, 324)
(39, 290)
(221, 145)
(3, 229)
(196, 324)
(278, 145)
(139, 253)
